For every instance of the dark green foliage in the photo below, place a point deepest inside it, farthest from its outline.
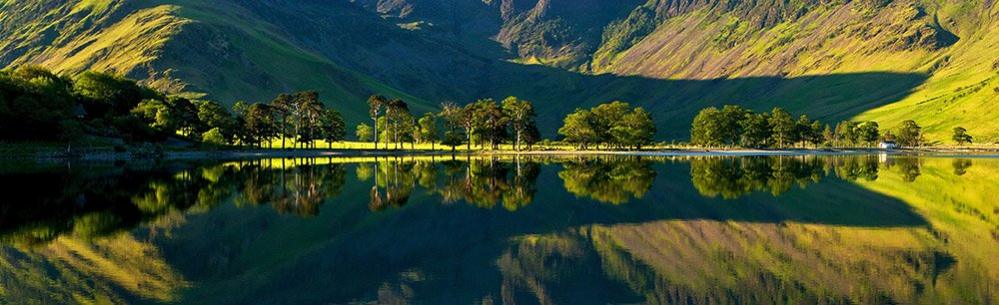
(614, 124)
(427, 131)
(399, 122)
(488, 121)
(260, 123)
(706, 127)
(756, 130)
(521, 114)
(784, 130)
(910, 134)
(454, 121)
(731, 178)
(961, 136)
(36, 104)
(868, 132)
(736, 126)
(332, 127)
(580, 128)
(106, 94)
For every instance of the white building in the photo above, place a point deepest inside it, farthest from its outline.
(888, 145)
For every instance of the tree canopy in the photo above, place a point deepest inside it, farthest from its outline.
(615, 124)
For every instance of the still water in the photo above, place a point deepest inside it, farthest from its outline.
(863, 229)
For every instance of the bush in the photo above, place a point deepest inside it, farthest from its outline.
(213, 137)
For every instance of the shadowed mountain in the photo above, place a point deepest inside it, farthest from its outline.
(559, 54)
(674, 103)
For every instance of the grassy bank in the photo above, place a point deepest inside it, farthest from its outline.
(106, 150)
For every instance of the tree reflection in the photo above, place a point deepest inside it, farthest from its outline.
(101, 201)
(480, 182)
(856, 167)
(909, 166)
(731, 178)
(961, 166)
(614, 182)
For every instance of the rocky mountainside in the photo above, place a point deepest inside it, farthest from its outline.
(935, 61)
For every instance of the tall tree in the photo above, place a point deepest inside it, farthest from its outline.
(729, 128)
(782, 127)
(283, 108)
(307, 112)
(333, 127)
(634, 130)
(868, 132)
(705, 130)
(816, 133)
(376, 103)
(453, 121)
(491, 122)
(605, 116)
(260, 123)
(407, 128)
(755, 130)
(803, 129)
(186, 113)
(428, 130)
(579, 128)
(521, 114)
(239, 130)
(396, 112)
(910, 134)
(468, 123)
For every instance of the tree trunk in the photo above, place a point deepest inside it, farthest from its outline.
(282, 132)
(375, 119)
(516, 146)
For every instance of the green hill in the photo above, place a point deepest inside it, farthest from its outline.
(885, 60)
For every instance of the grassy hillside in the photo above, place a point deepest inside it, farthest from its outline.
(202, 47)
(929, 60)
(952, 42)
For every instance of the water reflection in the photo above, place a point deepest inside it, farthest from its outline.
(615, 182)
(102, 200)
(511, 229)
(735, 177)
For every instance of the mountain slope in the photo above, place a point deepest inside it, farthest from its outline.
(949, 43)
(215, 47)
(930, 60)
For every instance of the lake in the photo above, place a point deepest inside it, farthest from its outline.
(855, 229)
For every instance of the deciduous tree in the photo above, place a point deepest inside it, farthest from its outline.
(580, 128)
(961, 136)
(521, 114)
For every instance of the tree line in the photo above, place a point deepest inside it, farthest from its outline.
(612, 125)
(734, 126)
(38, 105)
(484, 122)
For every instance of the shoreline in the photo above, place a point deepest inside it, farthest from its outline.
(190, 155)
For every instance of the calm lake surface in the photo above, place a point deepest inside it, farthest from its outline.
(862, 229)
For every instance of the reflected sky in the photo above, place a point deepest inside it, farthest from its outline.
(861, 229)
